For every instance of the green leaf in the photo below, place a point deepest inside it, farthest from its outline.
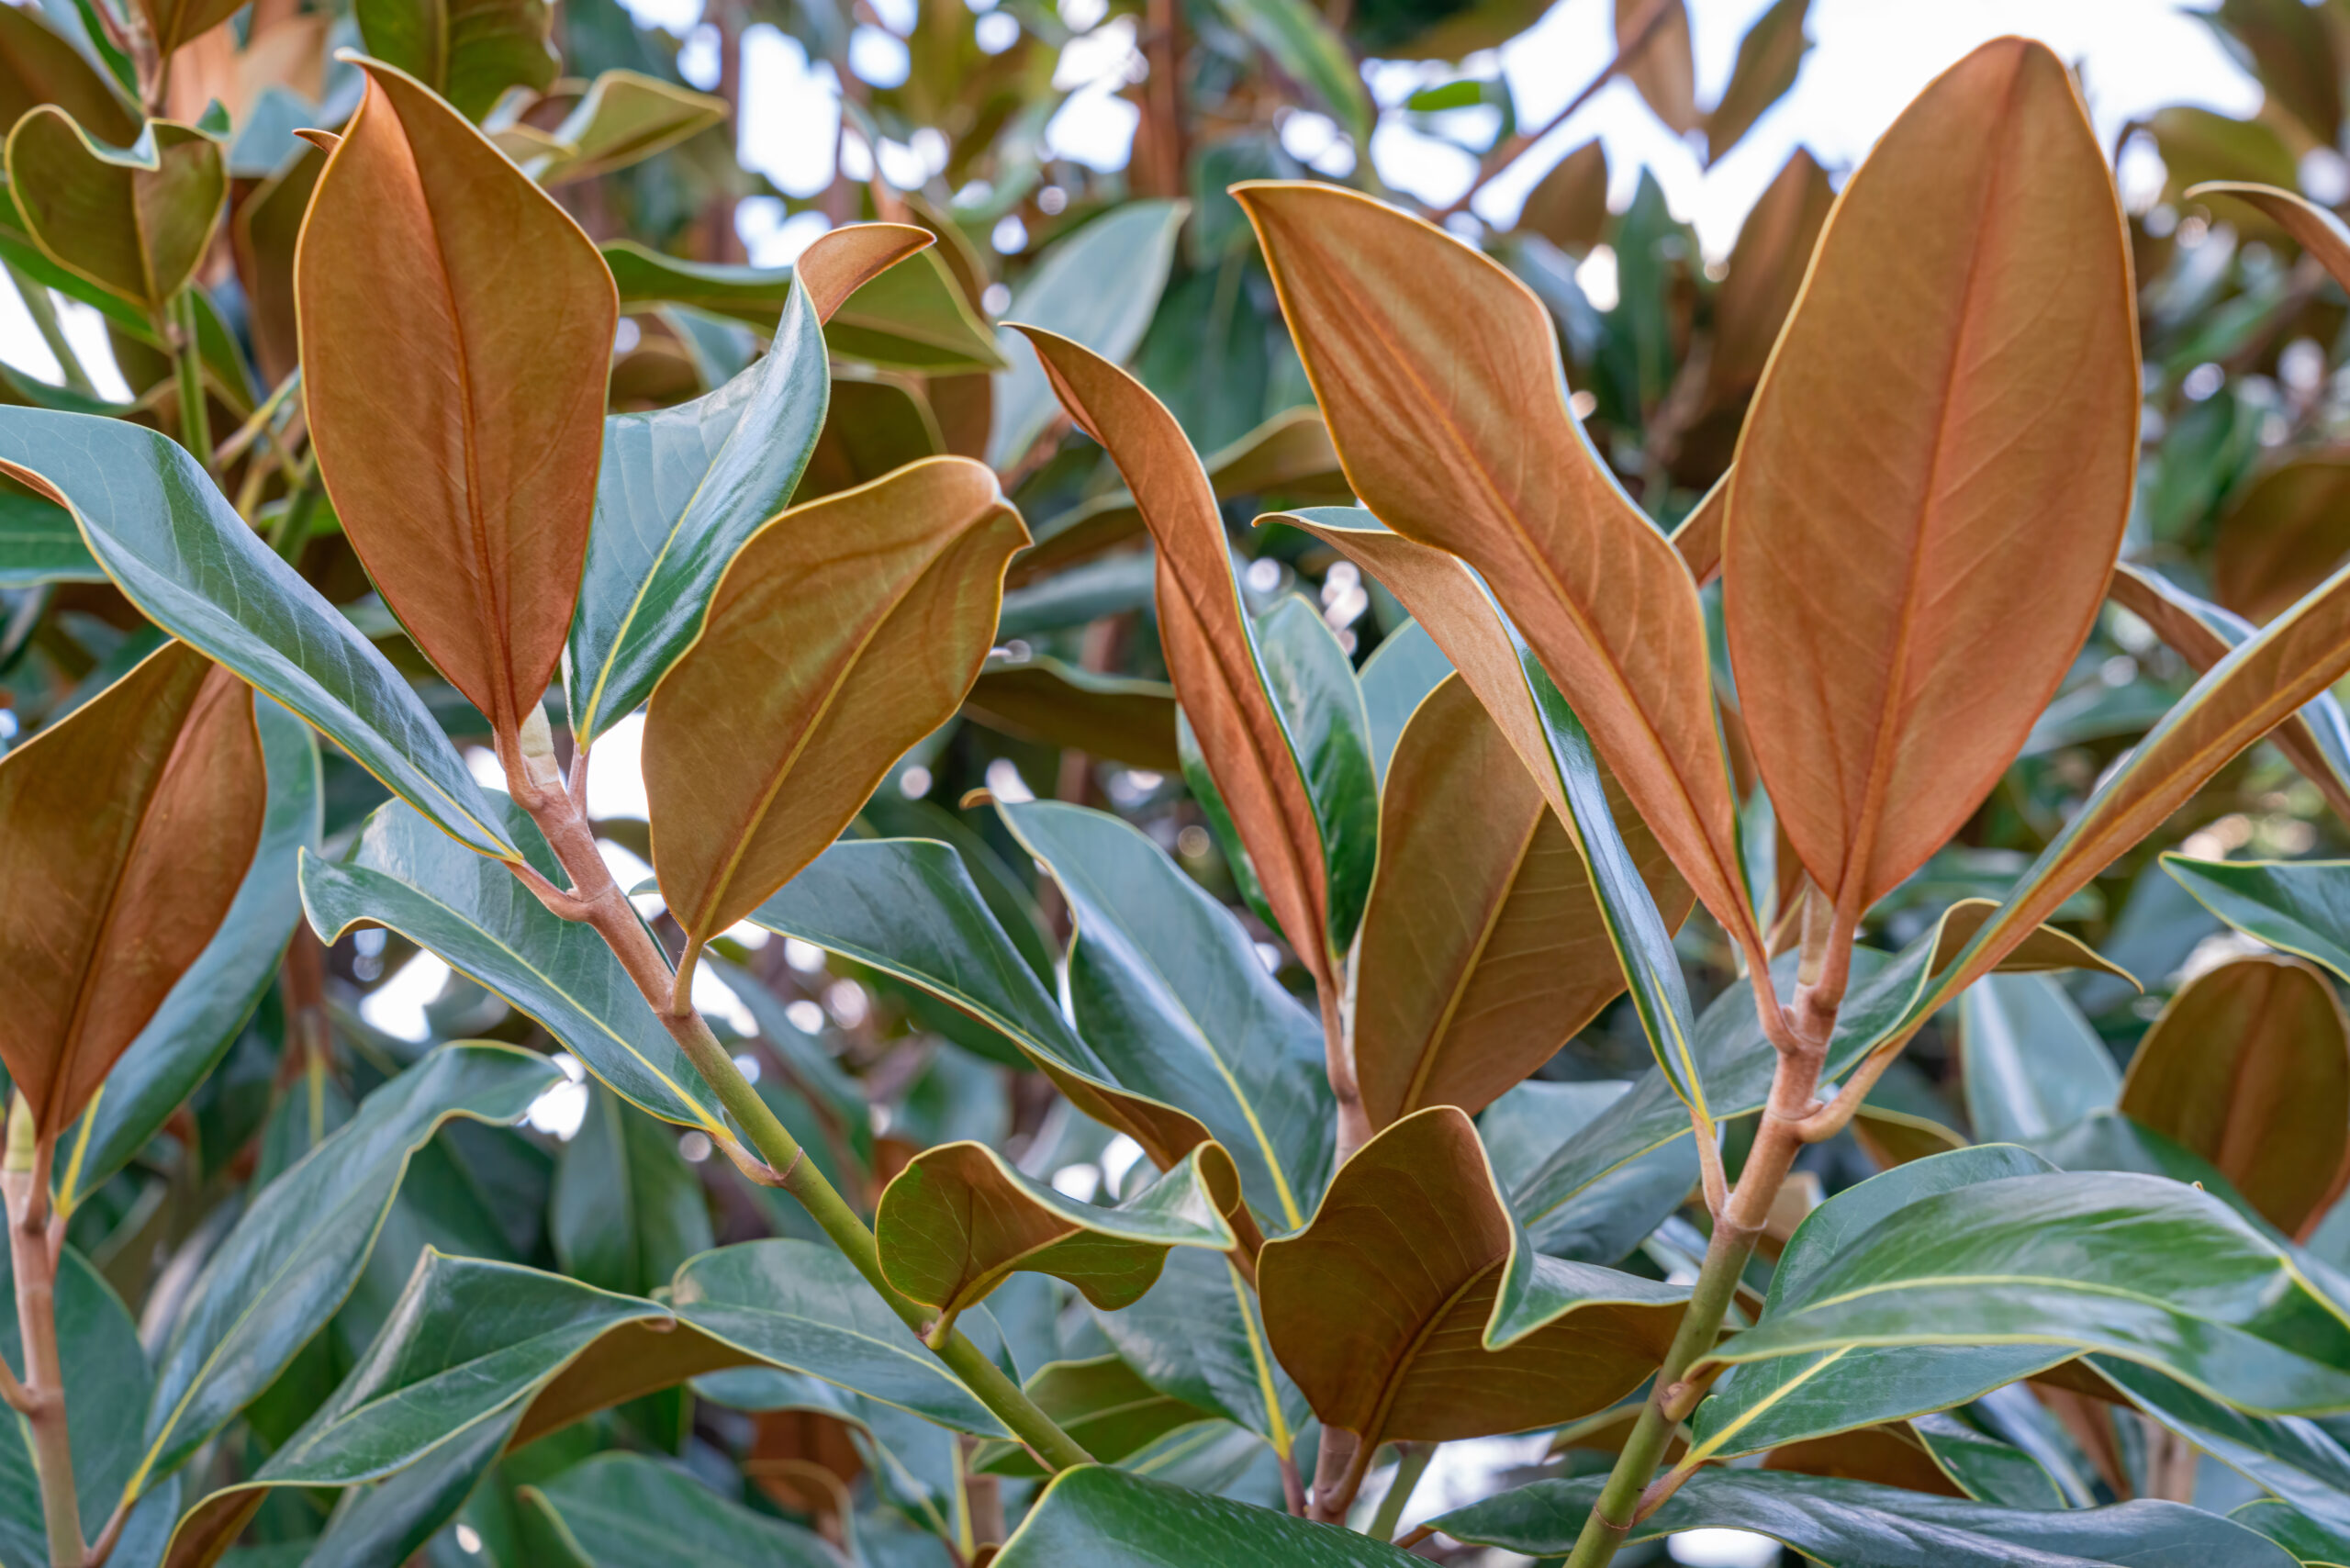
(300, 1246)
(623, 1511)
(486, 925)
(625, 117)
(190, 563)
(1103, 1403)
(107, 1388)
(2031, 1062)
(469, 51)
(2301, 907)
(1197, 1338)
(1310, 53)
(1313, 688)
(2134, 1266)
(1853, 1524)
(1604, 1221)
(814, 1075)
(959, 1219)
(2310, 1542)
(800, 1304)
(1990, 1470)
(1099, 286)
(1165, 984)
(200, 1018)
(680, 489)
(2107, 1140)
(1112, 717)
(1108, 1518)
(39, 66)
(1396, 680)
(1798, 1397)
(627, 1209)
(134, 223)
(39, 542)
(2298, 1460)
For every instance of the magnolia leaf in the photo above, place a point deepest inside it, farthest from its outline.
(1769, 56)
(1606, 1219)
(2249, 1066)
(2320, 233)
(800, 1305)
(627, 1211)
(125, 830)
(1396, 680)
(1289, 803)
(1766, 271)
(1199, 1337)
(39, 542)
(2034, 1065)
(262, 235)
(1109, 1518)
(456, 334)
(189, 563)
(2316, 740)
(172, 23)
(198, 1019)
(908, 908)
(1483, 950)
(480, 919)
(1165, 984)
(2298, 1460)
(134, 223)
(889, 595)
(468, 51)
(2309, 1543)
(1851, 1524)
(1800, 1398)
(1098, 289)
(681, 488)
(877, 421)
(1381, 1307)
(2136, 1267)
(1044, 700)
(2282, 535)
(38, 66)
(1660, 62)
(625, 117)
(1288, 454)
(1307, 49)
(1480, 456)
(1105, 1405)
(625, 1510)
(959, 1219)
(301, 1243)
(1641, 898)
(1879, 725)
(1568, 206)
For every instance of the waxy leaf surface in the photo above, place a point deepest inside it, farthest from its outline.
(39, 66)
(1108, 1518)
(456, 334)
(960, 1219)
(125, 831)
(1103, 1403)
(2249, 1067)
(2034, 1065)
(626, 1510)
(1932, 481)
(135, 223)
(627, 1211)
(844, 631)
(468, 51)
(1199, 1336)
(1380, 1306)
(1479, 455)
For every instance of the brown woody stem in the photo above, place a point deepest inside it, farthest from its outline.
(602, 905)
(24, 1179)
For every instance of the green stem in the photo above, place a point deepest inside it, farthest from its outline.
(292, 529)
(607, 909)
(195, 418)
(43, 310)
(1410, 1463)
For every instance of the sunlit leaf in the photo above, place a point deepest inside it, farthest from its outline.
(625, 117)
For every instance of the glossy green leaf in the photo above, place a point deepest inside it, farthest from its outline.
(2311, 1543)
(622, 1511)
(1103, 1403)
(107, 1386)
(39, 542)
(1407, 1307)
(1099, 287)
(469, 51)
(1604, 1221)
(134, 223)
(1113, 717)
(2301, 907)
(812, 1071)
(2132, 1266)
(1396, 680)
(1853, 1524)
(1798, 1397)
(2107, 1140)
(1986, 1468)
(486, 925)
(625, 117)
(179, 553)
(2298, 1460)
(1165, 984)
(960, 1219)
(1313, 686)
(679, 491)
(300, 1246)
(908, 908)
(2032, 1064)
(1198, 1337)
(800, 1305)
(213, 997)
(1107, 1518)
(627, 1210)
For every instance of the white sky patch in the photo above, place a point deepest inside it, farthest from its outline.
(396, 1006)
(563, 1107)
(616, 771)
(791, 112)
